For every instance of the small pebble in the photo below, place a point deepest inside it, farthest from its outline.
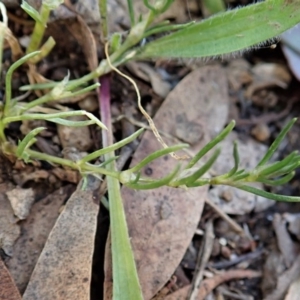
(261, 132)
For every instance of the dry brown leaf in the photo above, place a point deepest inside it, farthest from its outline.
(162, 222)
(84, 36)
(35, 230)
(8, 289)
(63, 270)
(9, 230)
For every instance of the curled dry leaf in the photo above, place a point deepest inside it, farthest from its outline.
(8, 289)
(84, 36)
(64, 267)
(35, 230)
(163, 221)
(21, 201)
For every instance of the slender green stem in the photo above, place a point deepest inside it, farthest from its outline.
(2, 135)
(3, 27)
(52, 96)
(44, 50)
(8, 78)
(51, 159)
(74, 165)
(103, 19)
(39, 29)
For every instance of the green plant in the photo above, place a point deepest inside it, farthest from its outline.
(223, 33)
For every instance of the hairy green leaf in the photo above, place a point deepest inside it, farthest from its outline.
(232, 31)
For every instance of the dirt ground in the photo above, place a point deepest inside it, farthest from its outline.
(243, 247)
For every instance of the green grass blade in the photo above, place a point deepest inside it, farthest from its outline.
(279, 165)
(113, 147)
(211, 144)
(234, 30)
(156, 183)
(28, 140)
(124, 271)
(156, 155)
(267, 195)
(277, 142)
(285, 179)
(8, 77)
(201, 171)
(236, 157)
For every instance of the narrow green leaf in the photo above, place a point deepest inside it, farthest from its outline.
(131, 12)
(277, 142)
(33, 13)
(280, 181)
(287, 169)
(57, 118)
(111, 148)
(267, 195)
(155, 183)
(201, 171)
(156, 155)
(211, 144)
(236, 161)
(102, 4)
(102, 165)
(232, 31)
(28, 140)
(8, 78)
(277, 166)
(71, 123)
